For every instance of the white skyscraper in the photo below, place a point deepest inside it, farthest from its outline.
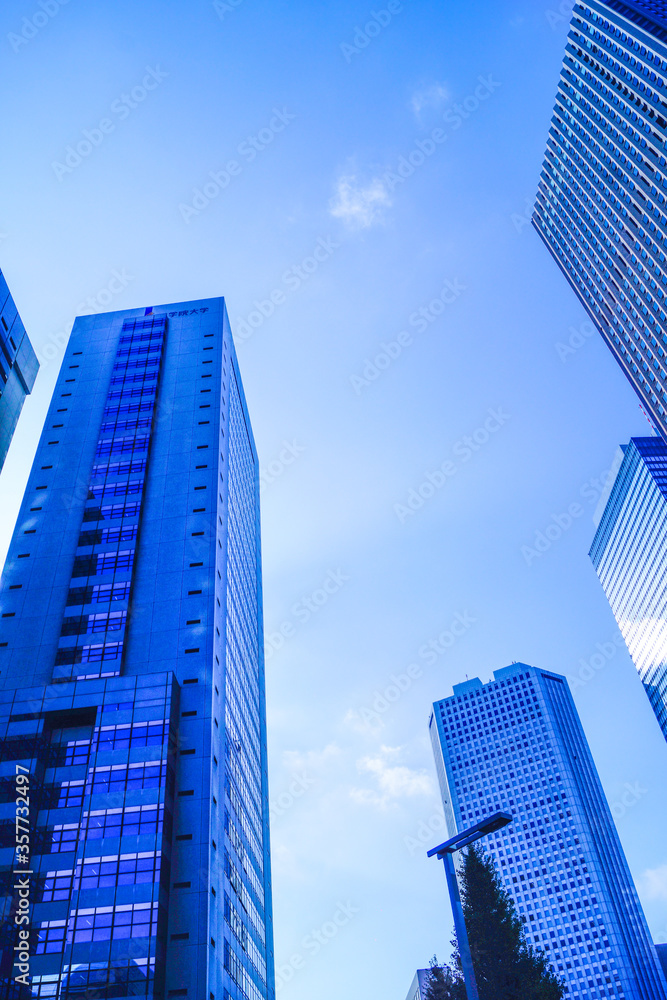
(516, 744)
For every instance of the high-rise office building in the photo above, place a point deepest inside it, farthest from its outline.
(629, 553)
(601, 206)
(662, 955)
(516, 744)
(417, 990)
(131, 674)
(18, 368)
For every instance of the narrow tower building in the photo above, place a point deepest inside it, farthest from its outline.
(516, 744)
(132, 678)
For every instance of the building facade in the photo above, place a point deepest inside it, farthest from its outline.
(417, 990)
(132, 676)
(516, 744)
(662, 955)
(629, 553)
(601, 206)
(18, 368)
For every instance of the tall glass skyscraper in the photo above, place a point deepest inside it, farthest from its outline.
(132, 677)
(629, 553)
(601, 207)
(18, 368)
(517, 744)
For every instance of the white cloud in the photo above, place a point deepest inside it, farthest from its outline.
(429, 97)
(654, 883)
(370, 726)
(359, 207)
(310, 760)
(394, 780)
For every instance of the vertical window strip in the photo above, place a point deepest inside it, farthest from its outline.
(116, 490)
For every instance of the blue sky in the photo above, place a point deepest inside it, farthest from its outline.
(320, 218)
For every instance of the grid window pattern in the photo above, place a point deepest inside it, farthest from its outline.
(133, 977)
(132, 821)
(106, 562)
(58, 838)
(119, 410)
(126, 393)
(510, 745)
(602, 201)
(629, 553)
(74, 752)
(95, 653)
(104, 592)
(242, 763)
(69, 793)
(129, 468)
(98, 610)
(51, 937)
(103, 738)
(108, 536)
(143, 363)
(120, 445)
(136, 734)
(123, 869)
(146, 376)
(118, 426)
(107, 621)
(118, 777)
(57, 886)
(110, 491)
(137, 361)
(102, 923)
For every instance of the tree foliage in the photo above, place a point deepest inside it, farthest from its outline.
(506, 966)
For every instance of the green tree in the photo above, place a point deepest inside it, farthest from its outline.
(443, 983)
(506, 966)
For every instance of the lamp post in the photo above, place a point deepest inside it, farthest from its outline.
(445, 851)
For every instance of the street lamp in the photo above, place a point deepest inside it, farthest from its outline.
(445, 851)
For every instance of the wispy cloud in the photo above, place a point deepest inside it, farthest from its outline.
(358, 206)
(432, 96)
(311, 760)
(393, 779)
(654, 882)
